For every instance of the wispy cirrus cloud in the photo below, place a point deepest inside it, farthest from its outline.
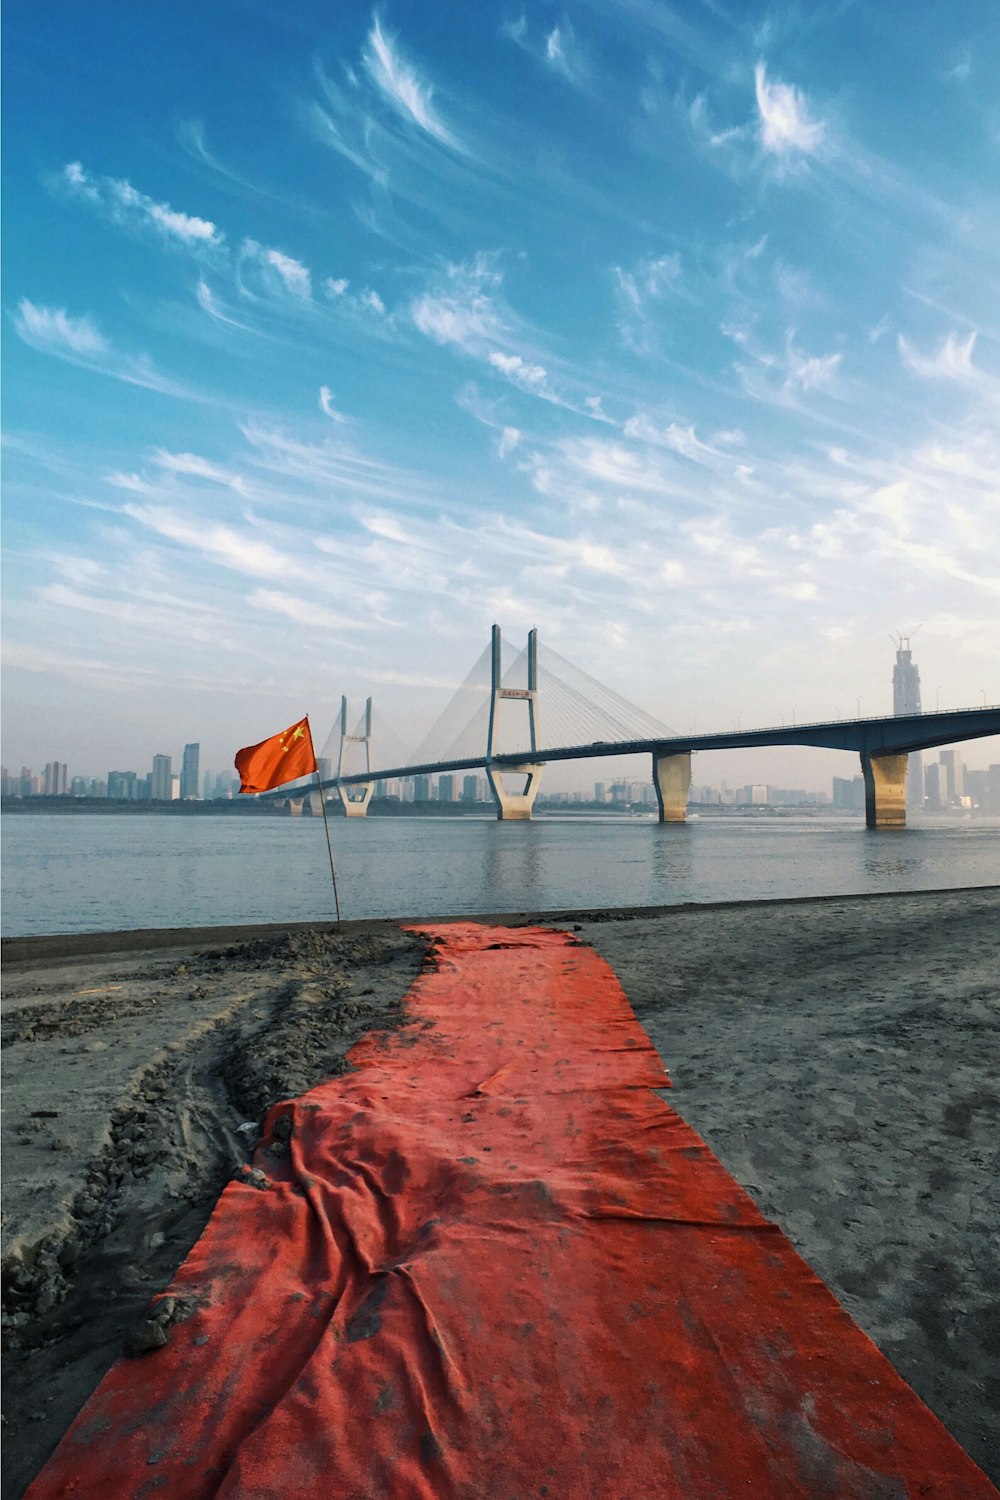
(953, 361)
(785, 124)
(557, 48)
(118, 200)
(783, 374)
(464, 309)
(193, 465)
(461, 309)
(327, 407)
(224, 545)
(305, 611)
(292, 272)
(266, 272)
(52, 329)
(401, 85)
(639, 288)
(79, 341)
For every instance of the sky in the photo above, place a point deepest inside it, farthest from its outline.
(333, 335)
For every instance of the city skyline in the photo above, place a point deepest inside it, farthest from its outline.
(336, 334)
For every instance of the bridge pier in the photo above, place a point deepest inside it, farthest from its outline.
(885, 788)
(512, 806)
(356, 807)
(672, 781)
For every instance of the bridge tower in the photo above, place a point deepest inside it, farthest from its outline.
(513, 805)
(356, 797)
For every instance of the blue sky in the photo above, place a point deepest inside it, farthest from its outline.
(335, 334)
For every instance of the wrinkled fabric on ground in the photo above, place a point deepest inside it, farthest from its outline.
(492, 1262)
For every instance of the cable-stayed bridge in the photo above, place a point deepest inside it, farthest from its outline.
(517, 711)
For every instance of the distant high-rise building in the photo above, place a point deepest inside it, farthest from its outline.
(951, 783)
(56, 779)
(123, 786)
(849, 793)
(421, 788)
(906, 700)
(446, 788)
(189, 771)
(160, 778)
(599, 791)
(470, 788)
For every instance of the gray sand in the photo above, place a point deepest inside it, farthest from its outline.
(839, 1056)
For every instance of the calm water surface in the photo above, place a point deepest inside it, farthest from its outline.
(65, 873)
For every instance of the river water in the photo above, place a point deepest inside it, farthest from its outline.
(98, 872)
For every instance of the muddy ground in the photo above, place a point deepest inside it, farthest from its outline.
(133, 1087)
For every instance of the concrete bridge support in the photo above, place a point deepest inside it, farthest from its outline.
(513, 805)
(885, 789)
(356, 797)
(672, 780)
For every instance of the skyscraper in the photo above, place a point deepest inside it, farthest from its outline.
(55, 779)
(189, 771)
(159, 782)
(906, 700)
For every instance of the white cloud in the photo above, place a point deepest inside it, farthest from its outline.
(336, 286)
(373, 302)
(401, 86)
(810, 372)
(785, 125)
(953, 361)
(302, 611)
(557, 50)
(462, 311)
(612, 463)
(52, 328)
(292, 272)
(208, 304)
(683, 440)
(198, 468)
(125, 205)
(326, 405)
(219, 543)
(508, 441)
(515, 368)
(651, 277)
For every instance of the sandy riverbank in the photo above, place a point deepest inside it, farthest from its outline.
(840, 1057)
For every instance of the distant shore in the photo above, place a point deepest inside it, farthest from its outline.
(392, 807)
(839, 1054)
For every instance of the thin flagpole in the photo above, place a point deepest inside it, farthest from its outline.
(326, 828)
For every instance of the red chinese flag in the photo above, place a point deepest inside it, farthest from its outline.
(284, 757)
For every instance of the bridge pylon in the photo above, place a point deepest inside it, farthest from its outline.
(357, 796)
(513, 805)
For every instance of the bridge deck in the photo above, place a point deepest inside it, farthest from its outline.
(897, 734)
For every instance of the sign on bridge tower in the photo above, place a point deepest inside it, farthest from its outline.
(357, 796)
(513, 805)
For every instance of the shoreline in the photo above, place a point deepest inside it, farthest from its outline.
(838, 1054)
(47, 947)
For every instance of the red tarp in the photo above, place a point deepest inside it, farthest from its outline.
(493, 1263)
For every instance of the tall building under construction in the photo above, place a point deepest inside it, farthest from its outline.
(906, 700)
